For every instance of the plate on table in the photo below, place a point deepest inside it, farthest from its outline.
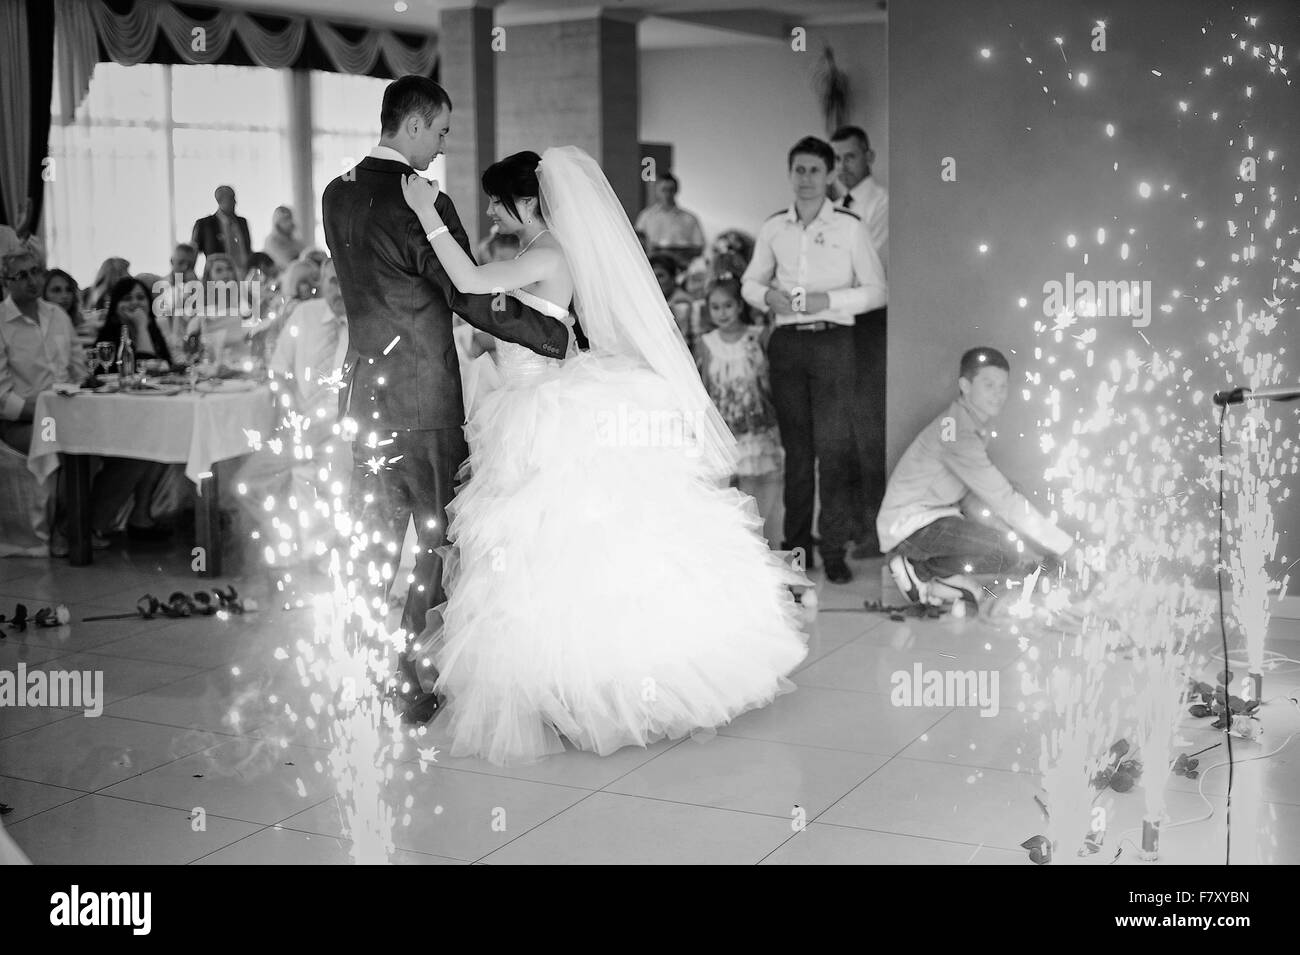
(154, 390)
(225, 386)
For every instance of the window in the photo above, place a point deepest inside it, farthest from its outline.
(139, 163)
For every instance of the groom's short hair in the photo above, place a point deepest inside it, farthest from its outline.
(411, 94)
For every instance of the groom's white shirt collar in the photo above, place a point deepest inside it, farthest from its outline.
(388, 152)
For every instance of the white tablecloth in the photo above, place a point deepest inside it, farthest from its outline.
(196, 430)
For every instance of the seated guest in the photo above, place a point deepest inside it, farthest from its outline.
(679, 302)
(38, 348)
(295, 285)
(129, 479)
(61, 290)
(282, 243)
(259, 263)
(223, 232)
(668, 227)
(317, 257)
(307, 361)
(171, 297)
(19, 237)
(130, 306)
(111, 271)
(183, 262)
(95, 298)
(220, 323)
(924, 522)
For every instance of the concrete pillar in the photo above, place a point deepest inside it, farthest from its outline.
(305, 197)
(467, 71)
(573, 82)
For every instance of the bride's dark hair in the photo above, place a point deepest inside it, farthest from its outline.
(514, 177)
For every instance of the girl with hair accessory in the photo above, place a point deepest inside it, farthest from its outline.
(733, 366)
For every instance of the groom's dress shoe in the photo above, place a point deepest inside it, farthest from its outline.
(422, 708)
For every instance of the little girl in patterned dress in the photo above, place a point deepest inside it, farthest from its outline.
(733, 366)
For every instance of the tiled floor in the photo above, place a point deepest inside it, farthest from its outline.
(831, 773)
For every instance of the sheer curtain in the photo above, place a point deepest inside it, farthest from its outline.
(139, 161)
(106, 192)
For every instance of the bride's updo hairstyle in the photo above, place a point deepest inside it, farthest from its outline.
(514, 177)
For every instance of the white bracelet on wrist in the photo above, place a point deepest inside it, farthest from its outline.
(437, 232)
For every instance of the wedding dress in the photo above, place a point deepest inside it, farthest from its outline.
(602, 584)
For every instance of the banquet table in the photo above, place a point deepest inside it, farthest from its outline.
(194, 428)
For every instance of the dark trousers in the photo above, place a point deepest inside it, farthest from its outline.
(118, 481)
(812, 388)
(958, 545)
(419, 483)
(869, 477)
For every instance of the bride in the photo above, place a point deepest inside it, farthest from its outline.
(603, 585)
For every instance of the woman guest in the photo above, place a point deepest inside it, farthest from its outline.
(295, 285)
(130, 480)
(95, 299)
(220, 323)
(130, 306)
(282, 243)
(61, 290)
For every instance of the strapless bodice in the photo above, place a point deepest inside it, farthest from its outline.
(519, 365)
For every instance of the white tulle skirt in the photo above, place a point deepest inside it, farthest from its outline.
(600, 586)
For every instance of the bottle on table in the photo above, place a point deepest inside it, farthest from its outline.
(125, 359)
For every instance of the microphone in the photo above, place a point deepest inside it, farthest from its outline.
(1236, 396)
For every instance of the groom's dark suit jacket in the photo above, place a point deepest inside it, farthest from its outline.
(397, 295)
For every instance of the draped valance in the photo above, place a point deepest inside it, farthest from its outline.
(140, 31)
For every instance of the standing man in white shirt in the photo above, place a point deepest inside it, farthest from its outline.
(814, 268)
(855, 190)
(308, 363)
(668, 227)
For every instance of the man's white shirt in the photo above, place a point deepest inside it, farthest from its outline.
(311, 349)
(871, 203)
(833, 254)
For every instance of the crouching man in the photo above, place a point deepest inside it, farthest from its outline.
(944, 481)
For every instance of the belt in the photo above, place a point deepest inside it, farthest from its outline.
(812, 326)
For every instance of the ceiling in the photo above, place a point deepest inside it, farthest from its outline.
(664, 24)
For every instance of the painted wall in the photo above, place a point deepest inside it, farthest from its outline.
(732, 113)
(1034, 167)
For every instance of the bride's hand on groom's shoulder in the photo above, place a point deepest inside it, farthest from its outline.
(420, 194)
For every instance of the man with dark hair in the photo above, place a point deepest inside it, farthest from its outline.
(668, 227)
(223, 231)
(404, 388)
(857, 191)
(38, 347)
(814, 268)
(410, 96)
(944, 481)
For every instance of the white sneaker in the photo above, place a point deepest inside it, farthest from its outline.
(955, 587)
(912, 587)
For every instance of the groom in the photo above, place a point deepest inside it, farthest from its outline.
(404, 388)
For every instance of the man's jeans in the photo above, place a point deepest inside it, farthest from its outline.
(958, 545)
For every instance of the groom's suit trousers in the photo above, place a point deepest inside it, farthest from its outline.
(416, 479)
